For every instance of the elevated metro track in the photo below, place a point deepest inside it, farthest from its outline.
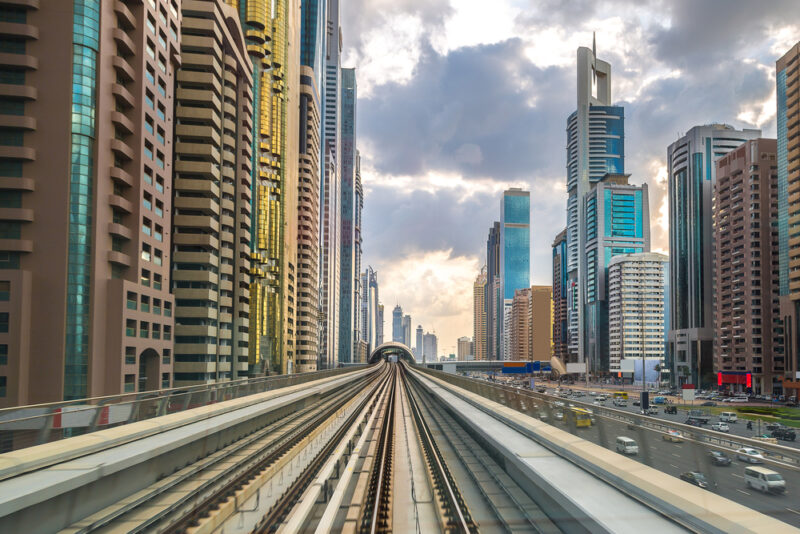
(391, 447)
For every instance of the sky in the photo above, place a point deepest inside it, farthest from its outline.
(459, 100)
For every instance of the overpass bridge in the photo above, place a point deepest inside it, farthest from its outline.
(384, 447)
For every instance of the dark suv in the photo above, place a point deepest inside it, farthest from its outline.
(784, 433)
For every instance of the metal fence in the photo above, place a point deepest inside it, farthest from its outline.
(26, 426)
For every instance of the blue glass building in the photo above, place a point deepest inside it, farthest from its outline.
(515, 251)
(617, 222)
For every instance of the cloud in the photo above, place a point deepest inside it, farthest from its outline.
(435, 288)
(458, 103)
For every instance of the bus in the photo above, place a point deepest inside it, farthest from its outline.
(579, 417)
(621, 395)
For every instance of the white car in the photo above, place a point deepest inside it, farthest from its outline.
(721, 427)
(559, 416)
(738, 399)
(749, 455)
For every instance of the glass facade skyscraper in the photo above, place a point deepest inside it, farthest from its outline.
(691, 177)
(617, 222)
(347, 308)
(595, 148)
(515, 254)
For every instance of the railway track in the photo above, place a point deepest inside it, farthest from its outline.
(178, 502)
(342, 452)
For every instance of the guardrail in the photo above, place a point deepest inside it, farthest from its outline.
(26, 426)
(519, 399)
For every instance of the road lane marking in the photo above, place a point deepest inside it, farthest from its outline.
(734, 474)
(676, 455)
(793, 511)
(742, 491)
(675, 466)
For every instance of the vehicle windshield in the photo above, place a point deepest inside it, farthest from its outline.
(774, 477)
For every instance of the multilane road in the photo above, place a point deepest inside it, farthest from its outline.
(689, 455)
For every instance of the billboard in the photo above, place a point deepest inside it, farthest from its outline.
(650, 374)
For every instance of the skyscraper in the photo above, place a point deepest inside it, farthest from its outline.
(212, 202)
(347, 157)
(560, 284)
(515, 253)
(85, 241)
(479, 315)
(691, 176)
(358, 207)
(331, 208)
(636, 307)
(520, 326)
(493, 298)
(407, 330)
(541, 322)
(464, 349)
(418, 345)
(275, 56)
(430, 349)
(595, 147)
(748, 333)
(617, 222)
(379, 327)
(368, 326)
(786, 78)
(397, 324)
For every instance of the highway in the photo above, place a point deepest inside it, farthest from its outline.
(677, 458)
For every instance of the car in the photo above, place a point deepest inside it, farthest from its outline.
(652, 410)
(746, 454)
(737, 399)
(709, 403)
(774, 426)
(673, 435)
(558, 416)
(636, 402)
(541, 390)
(782, 398)
(542, 416)
(671, 409)
(719, 458)
(784, 433)
(721, 427)
(695, 477)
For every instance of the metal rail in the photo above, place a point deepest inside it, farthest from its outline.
(284, 505)
(278, 437)
(460, 519)
(512, 506)
(379, 497)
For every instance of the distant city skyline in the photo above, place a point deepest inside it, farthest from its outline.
(432, 190)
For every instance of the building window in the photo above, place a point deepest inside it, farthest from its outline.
(145, 307)
(167, 358)
(157, 306)
(159, 208)
(145, 278)
(130, 383)
(156, 331)
(167, 309)
(5, 291)
(131, 300)
(3, 386)
(4, 354)
(146, 252)
(10, 229)
(130, 355)
(159, 233)
(157, 258)
(130, 328)
(144, 329)
(157, 281)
